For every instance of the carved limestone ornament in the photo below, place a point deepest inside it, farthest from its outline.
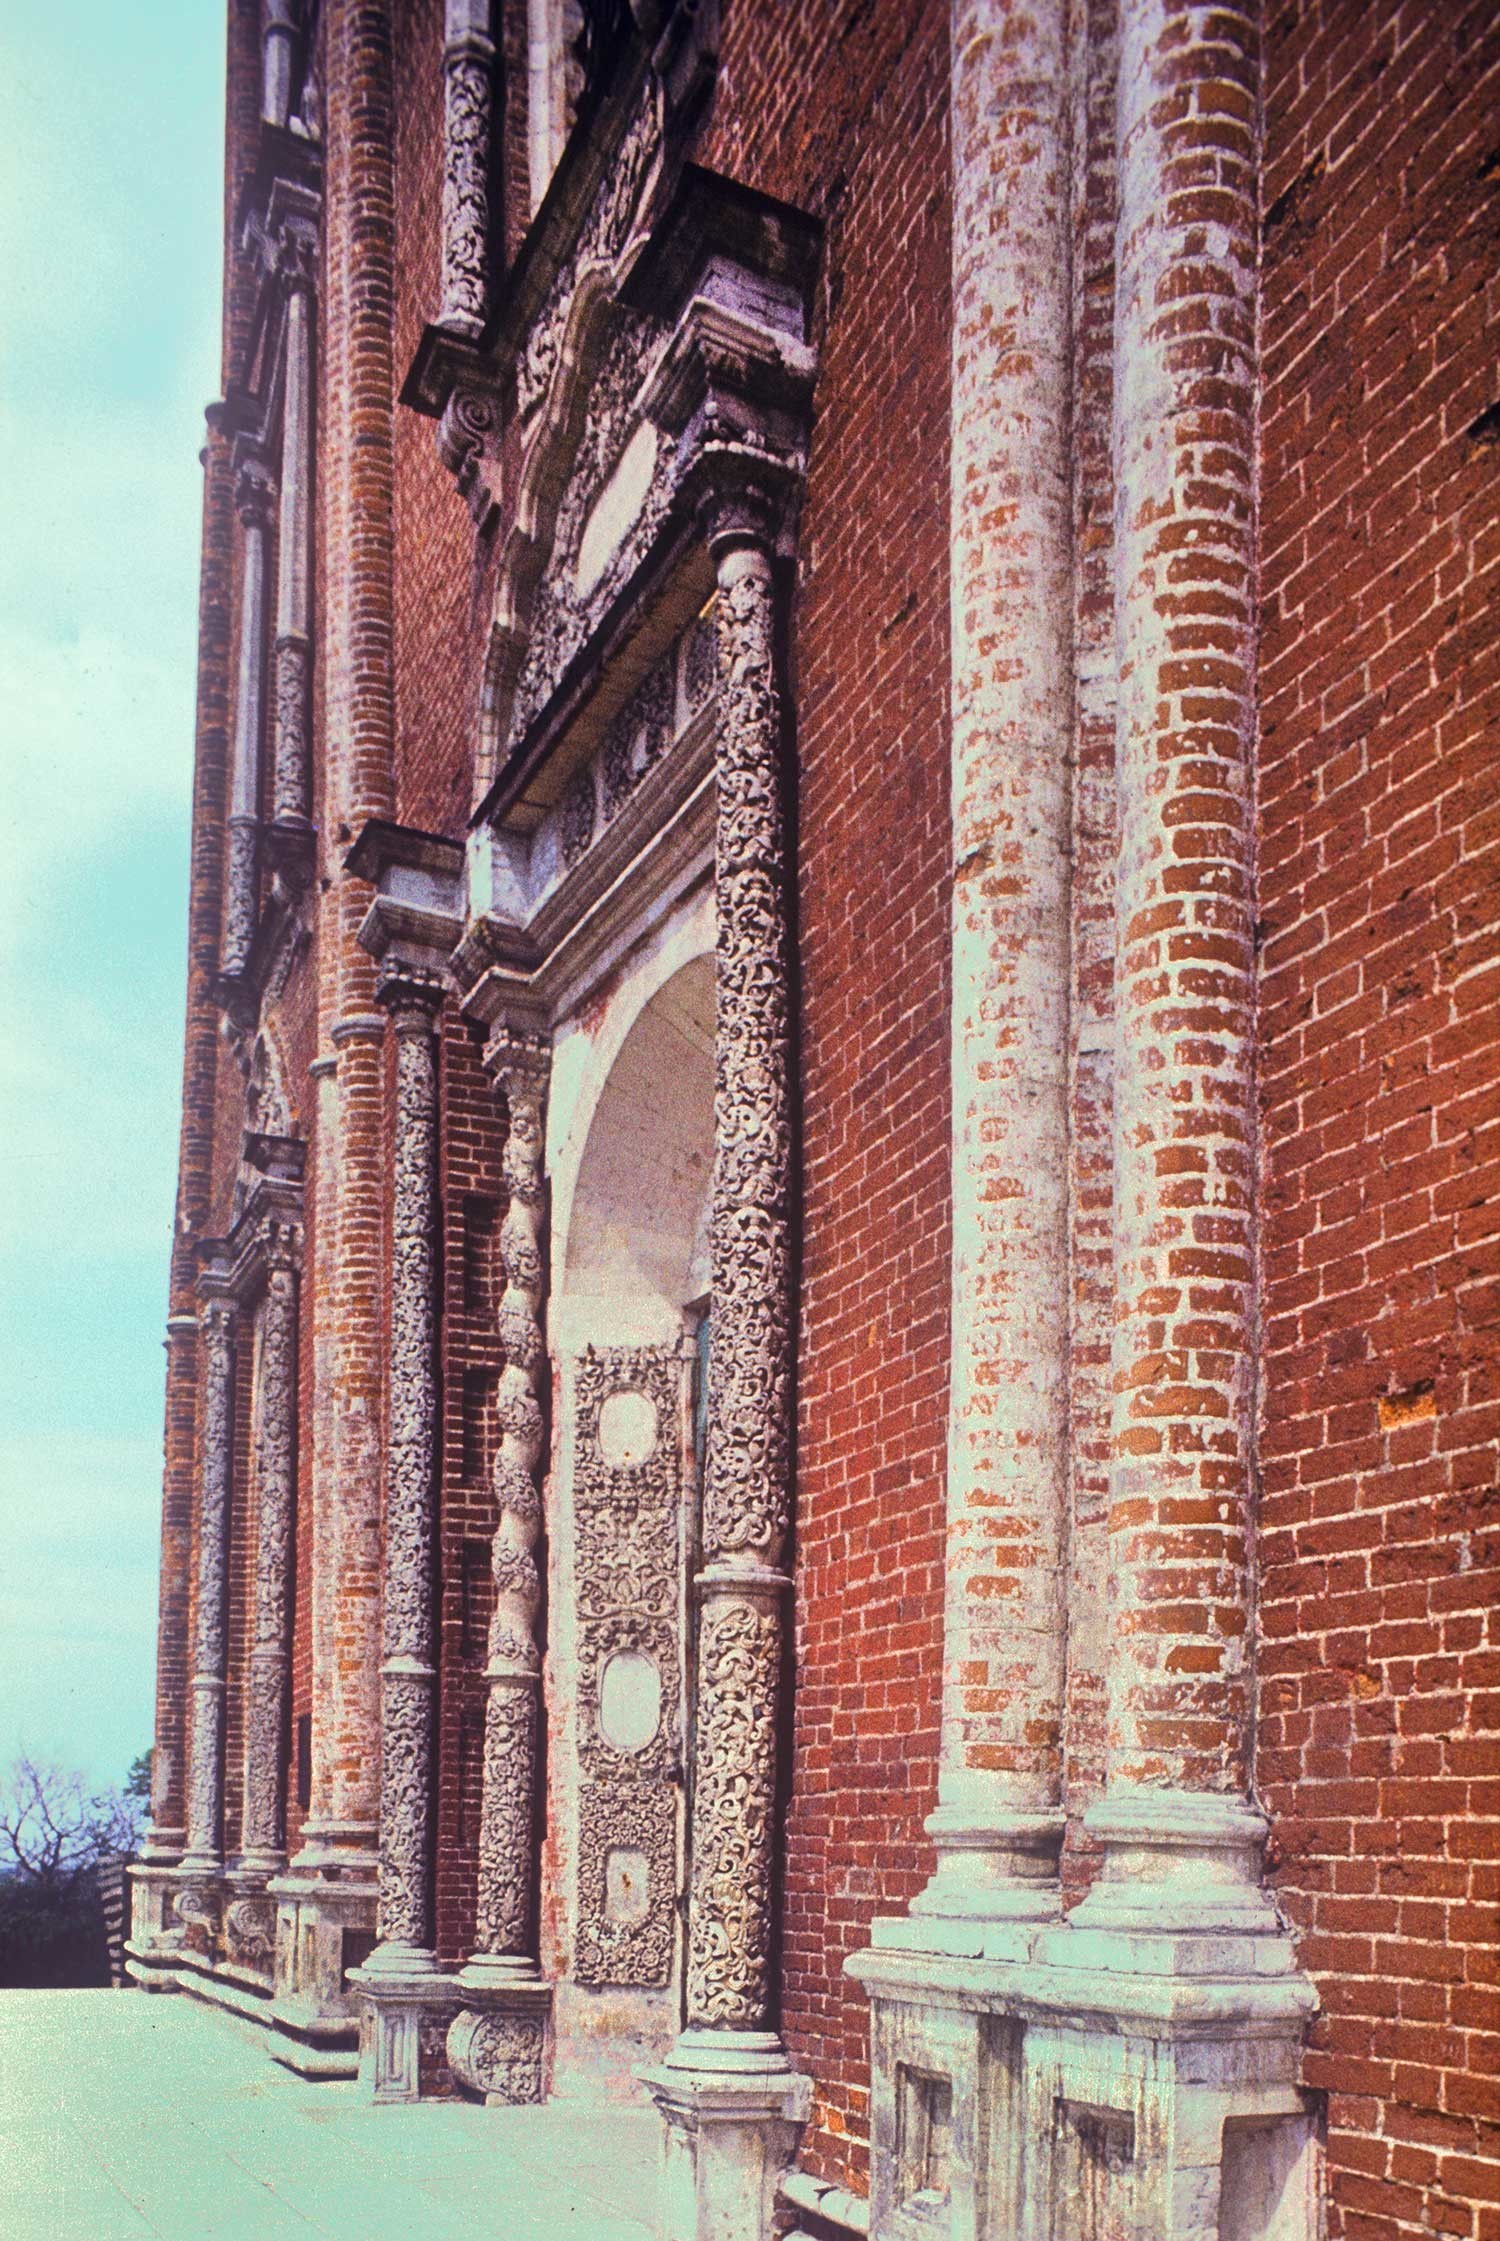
(576, 818)
(734, 1774)
(254, 495)
(264, 1836)
(413, 997)
(468, 64)
(289, 766)
(519, 1060)
(627, 1885)
(638, 736)
(568, 602)
(250, 1933)
(749, 1394)
(748, 1493)
(606, 233)
(628, 1570)
(498, 2055)
(241, 897)
(576, 375)
(467, 439)
(205, 1798)
(294, 255)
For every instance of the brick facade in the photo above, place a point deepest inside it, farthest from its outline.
(1214, 864)
(1379, 880)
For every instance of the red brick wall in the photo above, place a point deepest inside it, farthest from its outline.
(842, 110)
(1380, 995)
(435, 560)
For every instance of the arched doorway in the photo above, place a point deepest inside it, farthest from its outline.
(628, 1332)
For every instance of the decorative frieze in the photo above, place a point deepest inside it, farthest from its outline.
(627, 1502)
(204, 1855)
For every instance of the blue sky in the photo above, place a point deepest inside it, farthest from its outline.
(111, 124)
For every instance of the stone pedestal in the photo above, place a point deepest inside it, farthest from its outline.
(325, 1927)
(732, 2113)
(1069, 2103)
(155, 1931)
(407, 2005)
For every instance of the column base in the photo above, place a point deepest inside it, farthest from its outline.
(995, 1883)
(325, 1927)
(155, 1931)
(1132, 2077)
(407, 2005)
(248, 1929)
(733, 2111)
(500, 2042)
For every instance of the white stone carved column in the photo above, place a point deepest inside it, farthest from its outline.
(254, 495)
(497, 2043)
(263, 1848)
(204, 1857)
(732, 2103)
(296, 265)
(468, 68)
(398, 1977)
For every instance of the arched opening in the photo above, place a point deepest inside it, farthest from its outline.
(637, 1242)
(630, 1301)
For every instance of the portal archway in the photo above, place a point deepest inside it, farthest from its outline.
(630, 1287)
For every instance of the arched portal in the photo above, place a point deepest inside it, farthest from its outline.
(629, 1295)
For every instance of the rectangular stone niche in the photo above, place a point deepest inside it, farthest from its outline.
(1093, 2157)
(924, 2143)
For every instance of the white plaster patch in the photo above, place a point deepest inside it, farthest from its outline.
(615, 508)
(629, 1700)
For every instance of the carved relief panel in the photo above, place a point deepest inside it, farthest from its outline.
(631, 1565)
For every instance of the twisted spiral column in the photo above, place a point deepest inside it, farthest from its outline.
(518, 1059)
(205, 1800)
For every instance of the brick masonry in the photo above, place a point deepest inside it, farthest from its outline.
(1380, 1049)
